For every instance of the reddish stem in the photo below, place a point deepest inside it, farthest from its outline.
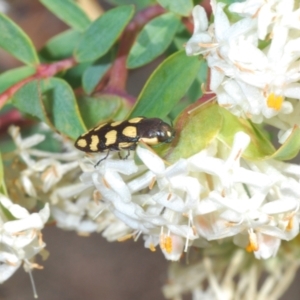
(118, 72)
(42, 71)
(188, 23)
(12, 117)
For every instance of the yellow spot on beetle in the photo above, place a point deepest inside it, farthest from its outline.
(135, 120)
(125, 145)
(94, 143)
(274, 101)
(111, 137)
(82, 143)
(149, 141)
(115, 123)
(130, 131)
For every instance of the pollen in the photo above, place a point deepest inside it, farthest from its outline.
(253, 244)
(152, 248)
(275, 101)
(125, 237)
(290, 224)
(166, 243)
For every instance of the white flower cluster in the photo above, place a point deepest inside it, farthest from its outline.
(254, 62)
(54, 178)
(212, 195)
(20, 236)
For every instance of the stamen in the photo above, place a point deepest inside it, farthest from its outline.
(275, 101)
(151, 184)
(125, 237)
(253, 244)
(106, 183)
(152, 248)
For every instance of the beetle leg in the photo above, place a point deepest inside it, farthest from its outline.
(127, 154)
(96, 165)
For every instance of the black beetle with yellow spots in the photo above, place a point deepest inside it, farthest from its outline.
(124, 135)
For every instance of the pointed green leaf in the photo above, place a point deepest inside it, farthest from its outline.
(74, 75)
(62, 108)
(16, 42)
(167, 85)
(290, 148)
(103, 33)
(11, 77)
(181, 7)
(69, 12)
(95, 110)
(53, 102)
(153, 40)
(138, 4)
(28, 100)
(195, 130)
(61, 46)
(259, 148)
(93, 74)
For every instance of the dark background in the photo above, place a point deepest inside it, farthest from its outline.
(87, 267)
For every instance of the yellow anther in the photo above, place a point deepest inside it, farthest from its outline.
(152, 248)
(166, 243)
(274, 101)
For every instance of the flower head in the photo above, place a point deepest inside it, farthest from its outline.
(250, 78)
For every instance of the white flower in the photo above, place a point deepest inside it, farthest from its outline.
(24, 145)
(20, 238)
(200, 35)
(251, 80)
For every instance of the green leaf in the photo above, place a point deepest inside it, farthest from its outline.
(93, 74)
(16, 42)
(195, 130)
(166, 86)
(53, 102)
(260, 146)
(61, 46)
(61, 106)
(95, 110)
(290, 148)
(138, 4)
(28, 100)
(74, 75)
(103, 33)
(11, 77)
(153, 40)
(69, 12)
(181, 7)
(181, 37)
(3, 189)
